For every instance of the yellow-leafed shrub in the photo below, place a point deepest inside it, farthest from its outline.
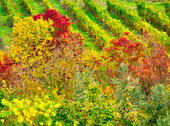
(29, 111)
(29, 46)
(45, 59)
(27, 32)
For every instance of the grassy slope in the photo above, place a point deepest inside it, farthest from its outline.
(158, 5)
(91, 17)
(5, 30)
(101, 25)
(18, 8)
(104, 8)
(124, 24)
(132, 6)
(38, 5)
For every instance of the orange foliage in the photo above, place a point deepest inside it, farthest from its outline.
(6, 70)
(152, 69)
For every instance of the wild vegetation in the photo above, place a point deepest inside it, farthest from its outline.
(84, 63)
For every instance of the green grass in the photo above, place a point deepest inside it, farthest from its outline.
(5, 30)
(18, 8)
(39, 6)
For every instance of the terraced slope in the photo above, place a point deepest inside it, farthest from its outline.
(102, 38)
(135, 22)
(113, 24)
(38, 6)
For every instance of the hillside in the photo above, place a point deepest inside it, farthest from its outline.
(84, 62)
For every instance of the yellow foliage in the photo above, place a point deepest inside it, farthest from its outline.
(45, 60)
(29, 48)
(2, 57)
(25, 110)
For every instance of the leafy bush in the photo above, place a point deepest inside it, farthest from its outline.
(65, 62)
(154, 110)
(60, 22)
(50, 56)
(157, 106)
(90, 108)
(80, 82)
(152, 69)
(124, 50)
(29, 49)
(6, 70)
(127, 93)
(29, 111)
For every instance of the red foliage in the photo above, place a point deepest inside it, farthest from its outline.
(6, 71)
(61, 23)
(152, 70)
(36, 17)
(122, 50)
(68, 39)
(145, 33)
(126, 33)
(6, 64)
(127, 48)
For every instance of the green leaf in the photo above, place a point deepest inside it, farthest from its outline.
(5, 114)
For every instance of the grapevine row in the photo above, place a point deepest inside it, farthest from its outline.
(113, 24)
(101, 37)
(28, 6)
(12, 14)
(47, 4)
(136, 22)
(157, 18)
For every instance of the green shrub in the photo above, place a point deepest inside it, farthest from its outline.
(125, 101)
(157, 106)
(94, 110)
